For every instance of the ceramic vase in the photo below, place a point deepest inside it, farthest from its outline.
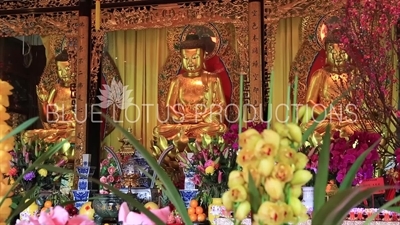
(214, 210)
(32, 210)
(308, 198)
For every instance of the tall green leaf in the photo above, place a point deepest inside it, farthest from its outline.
(255, 197)
(171, 190)
(321, 178)
(351, 174)
(20, 128)
(338, 207)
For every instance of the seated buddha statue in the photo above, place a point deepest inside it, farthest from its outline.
(55, 105)
(195, 103)
(327, 84)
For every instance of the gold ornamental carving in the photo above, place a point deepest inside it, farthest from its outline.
(38, 4)
(228, 17)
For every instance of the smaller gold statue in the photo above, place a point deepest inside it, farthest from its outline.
(327, 84)
(196, 102)
(55, 106)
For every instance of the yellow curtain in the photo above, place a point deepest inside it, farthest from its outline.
(139, 56)
(288, 41)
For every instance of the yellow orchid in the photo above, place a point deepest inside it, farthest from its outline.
(274, 188)
(243, 210)
(238, 193)
(235, 178)
(246, 157)
(43, 172)
(277, 172)
(301, 177)
(269, 213)
(283, 172)
(249, 139)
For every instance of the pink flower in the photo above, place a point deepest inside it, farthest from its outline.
(111, 170)
(220, 177)
(109, 156)
(103, 179)
(56, 216)
(209, 163)
(110, 179)
(129, 218)
(105, 162)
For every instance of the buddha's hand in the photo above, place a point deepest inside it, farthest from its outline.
(41, 93)
(192, 118)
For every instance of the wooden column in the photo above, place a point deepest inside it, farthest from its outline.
(82, 115)
(255, 111)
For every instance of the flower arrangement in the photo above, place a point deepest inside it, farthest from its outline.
(56, 215)
(232, 135)
(24, 154)
(211, 163)
(5, 145)
(269, 184)
(345, 151)
(109, 174)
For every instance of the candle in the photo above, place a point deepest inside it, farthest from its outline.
(241, 103)
(287, 104)
(295, 91)
(271, 86)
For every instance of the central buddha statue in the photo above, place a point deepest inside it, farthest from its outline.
(327, 84)
(195, 103)
(55, 105)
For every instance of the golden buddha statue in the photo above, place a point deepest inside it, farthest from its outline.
(196, 103)
(55, 106)
(327, 84)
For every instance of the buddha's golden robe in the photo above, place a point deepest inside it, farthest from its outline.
(325, 87)
(196, 105)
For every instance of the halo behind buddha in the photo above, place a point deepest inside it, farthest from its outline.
(192, 41)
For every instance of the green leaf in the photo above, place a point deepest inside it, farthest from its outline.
(321, 179)
(20, 128)
(338, 207)
(171, 190)
(24, 203)
(255, 197)
(351, 174)
(55, 169)
(131, 200)
(395, 209)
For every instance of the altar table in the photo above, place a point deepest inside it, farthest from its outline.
(225, 221)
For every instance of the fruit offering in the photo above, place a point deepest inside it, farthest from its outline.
(46, 206)
(196, 212)
(72, 210)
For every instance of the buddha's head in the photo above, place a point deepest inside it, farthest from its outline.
(63, 67)
(336, 55)
(192, 50)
